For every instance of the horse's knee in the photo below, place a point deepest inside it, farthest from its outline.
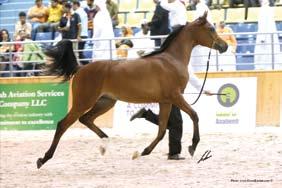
(195, 117)
(84, 119)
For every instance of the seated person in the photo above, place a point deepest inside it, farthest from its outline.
(38, 15)
(55, 12)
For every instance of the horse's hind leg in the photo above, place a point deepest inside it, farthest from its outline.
(163, 119)
(102, 106)
(184, 106)
(62, 126)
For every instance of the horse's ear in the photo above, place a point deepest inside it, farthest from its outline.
(205, 15)
(203, 19)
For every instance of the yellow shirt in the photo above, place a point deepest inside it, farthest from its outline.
(122, 51)
(55, 13)
(35, 10)
(229, 39)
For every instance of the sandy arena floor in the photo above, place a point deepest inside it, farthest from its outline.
(238, 159)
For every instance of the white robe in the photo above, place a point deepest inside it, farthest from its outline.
(145, 44)
(263, 46)
(103, 28)
(199, 55)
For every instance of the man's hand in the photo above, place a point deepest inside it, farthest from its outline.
(208, 93)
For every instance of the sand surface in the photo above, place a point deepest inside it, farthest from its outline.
(238, 159)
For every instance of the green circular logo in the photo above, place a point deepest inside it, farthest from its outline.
(230, 95)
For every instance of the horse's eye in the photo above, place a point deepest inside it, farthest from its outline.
(212, 29)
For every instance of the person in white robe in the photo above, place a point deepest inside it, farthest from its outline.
(103, 28)
(199, 55)
(263, 48)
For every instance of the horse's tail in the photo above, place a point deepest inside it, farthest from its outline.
(64, 61)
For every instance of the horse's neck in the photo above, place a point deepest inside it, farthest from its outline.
(181, 47)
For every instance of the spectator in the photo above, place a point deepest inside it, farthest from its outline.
(22, 25)
(84, 29)
(159, 24)
(91, 11)
(32, 56)
(247, 3)
(103, 28)
(263, 48)
(70, 24)
(142, 45)
(228, 58)
(55, 12)
(37, 14)
(124, 45)
(5, 50)
(113, 10)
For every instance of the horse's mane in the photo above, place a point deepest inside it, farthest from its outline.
(167, 42)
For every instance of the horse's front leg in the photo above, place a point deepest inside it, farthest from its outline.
(163, 119)
(184, 106)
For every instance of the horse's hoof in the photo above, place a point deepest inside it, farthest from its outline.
(191, 150)
(39, 163)
(135, 155)
(104, 136)
(145, 152)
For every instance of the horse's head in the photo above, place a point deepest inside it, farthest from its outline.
(204, 34)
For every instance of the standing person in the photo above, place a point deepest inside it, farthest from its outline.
(228, 58)
(91, 11)
(159, 24)
(263, 47)
(103, 28)
(177, 12)
(113, 10)
(22, 25)
(84, 29)
(38, 15)
(70, 24)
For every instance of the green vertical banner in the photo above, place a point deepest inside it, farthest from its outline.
(32, 106)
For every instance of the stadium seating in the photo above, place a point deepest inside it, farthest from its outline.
(44, 36)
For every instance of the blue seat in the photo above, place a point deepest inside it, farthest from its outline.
(245, 62)
(135, 29)
(245, 57)
(3, 1)
(243, 28)
(44, 36)
(245, 46)
(117, 32)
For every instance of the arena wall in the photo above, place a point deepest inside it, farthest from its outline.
(269, 94)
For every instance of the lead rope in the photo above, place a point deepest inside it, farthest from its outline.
(206, 75)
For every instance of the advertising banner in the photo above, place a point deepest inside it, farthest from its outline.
(32, 106)
(233, 109)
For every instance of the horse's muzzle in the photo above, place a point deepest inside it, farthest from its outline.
(221, 47)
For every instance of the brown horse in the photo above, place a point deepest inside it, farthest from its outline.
(159, 77)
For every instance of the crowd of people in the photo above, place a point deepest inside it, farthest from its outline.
(97, 19)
